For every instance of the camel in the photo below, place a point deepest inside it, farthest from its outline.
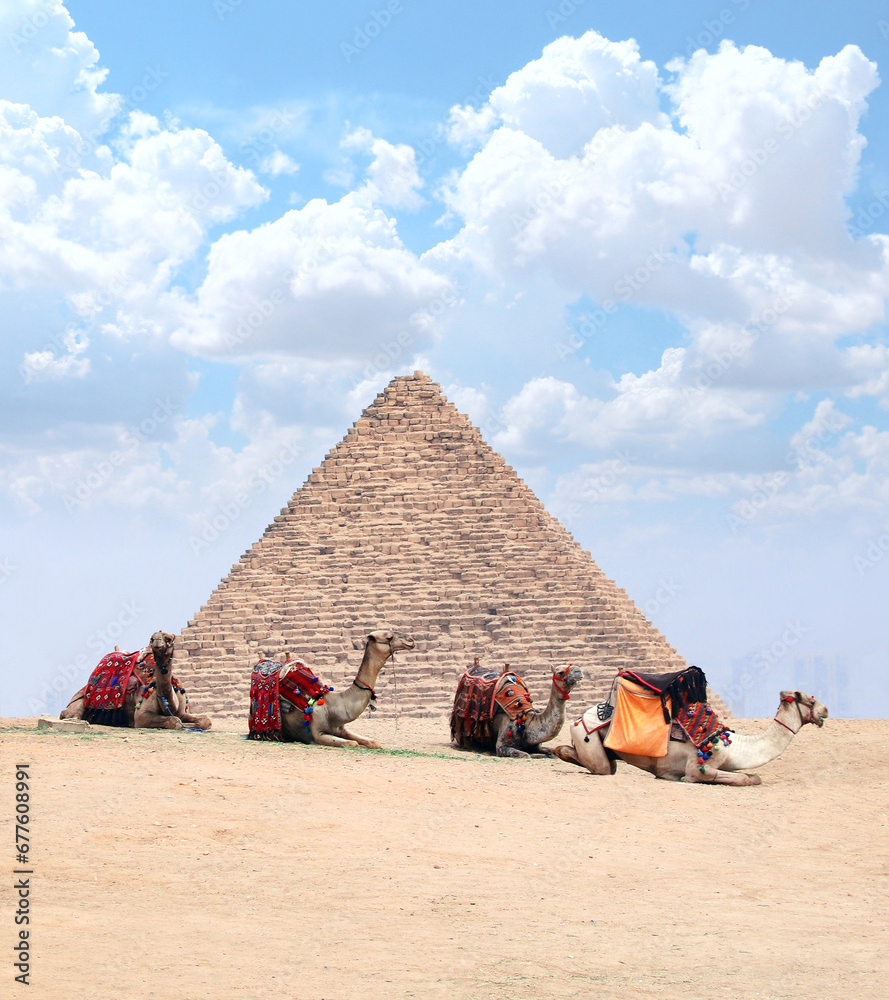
(516, 728)
(163, 704)
(153, 698)
(328, 716)
(724, 764)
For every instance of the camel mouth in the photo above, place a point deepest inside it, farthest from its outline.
(819, 720)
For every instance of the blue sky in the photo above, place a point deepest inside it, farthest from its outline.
(643, 247)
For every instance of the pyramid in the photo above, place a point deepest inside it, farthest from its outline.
(414, 521)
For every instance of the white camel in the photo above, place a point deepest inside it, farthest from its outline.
(726, 765)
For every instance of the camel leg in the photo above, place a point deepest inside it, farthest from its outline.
(329, 740)
(151, 720)
(567, 754)
(201, 721)
(587, 752)
(713, 776)
(75, 709)
(504, 750)
(362, 741)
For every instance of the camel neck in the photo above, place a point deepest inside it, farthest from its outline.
(163, 676)
(753, 751)
(372, 663)
(358, 695)
(546, 724)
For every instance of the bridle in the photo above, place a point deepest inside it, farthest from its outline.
(563, 677)
(366, 687)
(802, 720)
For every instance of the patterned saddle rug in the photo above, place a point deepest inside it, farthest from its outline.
(644, 708)
(700, 725)
(479, 693)
(116, 675)
(277, 687)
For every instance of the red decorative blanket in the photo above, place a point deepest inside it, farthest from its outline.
(272, 684)
(105, 694)
(479, 691)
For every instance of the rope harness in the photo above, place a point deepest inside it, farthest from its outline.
(792, 700)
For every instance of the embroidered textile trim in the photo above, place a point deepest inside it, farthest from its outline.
(478, 694)
(703, 728)
(277, 687)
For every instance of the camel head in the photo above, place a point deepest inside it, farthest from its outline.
(568, 677)
(810, 709)
(162, 646)
(388, 641)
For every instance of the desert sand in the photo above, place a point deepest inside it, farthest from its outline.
(186, 865)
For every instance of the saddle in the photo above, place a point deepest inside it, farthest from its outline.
(479, 692)
(644, 706)
(282, 687)
(116, 674)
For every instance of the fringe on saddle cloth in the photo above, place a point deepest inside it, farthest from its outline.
(699, 724)
(117, 674)
(479, 692)
(644, 707)
(275, 686)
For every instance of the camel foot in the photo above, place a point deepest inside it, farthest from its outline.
(567, 754)
(371, 745)
(754, 779)
(201, 721)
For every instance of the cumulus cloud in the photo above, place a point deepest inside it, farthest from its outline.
(126, 225)
(392, 176)
(51, 68)
(321, 281)
(730, 215)
(577, 87)
(278, 163)
(716, 193)
(658, 411)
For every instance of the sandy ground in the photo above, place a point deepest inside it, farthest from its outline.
(177, 865)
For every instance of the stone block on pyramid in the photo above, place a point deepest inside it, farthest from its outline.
(412, 520)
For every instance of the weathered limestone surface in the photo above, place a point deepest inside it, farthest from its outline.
(412, 520)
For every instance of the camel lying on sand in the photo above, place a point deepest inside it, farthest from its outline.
(328, 713)
(145, 695)
(725, 765)
(507, 722)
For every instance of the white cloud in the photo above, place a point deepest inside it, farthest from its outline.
(577, 87)
(278, 163)
(392, 176)
(657, 411)
(323, 281)
(47, 365)
(122, 228)
(870, 364)
(469, 127)
(738, 213)
(51, 68)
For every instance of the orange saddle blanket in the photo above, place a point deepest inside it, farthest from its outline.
(638, 724)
